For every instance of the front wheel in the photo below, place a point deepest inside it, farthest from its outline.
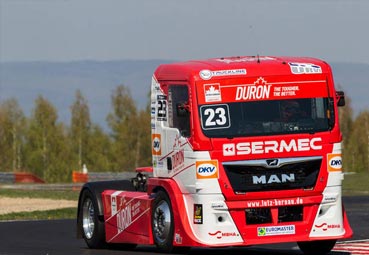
(162, 222)
(317, 247)
(92, 228)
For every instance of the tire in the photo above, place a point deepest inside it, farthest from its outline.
(162, 222)
(317, 247)
(92, 229)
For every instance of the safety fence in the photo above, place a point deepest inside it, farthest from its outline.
(19, 177)
(77, 177)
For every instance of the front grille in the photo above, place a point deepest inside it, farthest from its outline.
(258, 216)
(290, 213)
(256, 175)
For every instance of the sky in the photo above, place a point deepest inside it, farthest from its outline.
(70, 30)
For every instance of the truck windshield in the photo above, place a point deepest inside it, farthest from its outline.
(273, 117)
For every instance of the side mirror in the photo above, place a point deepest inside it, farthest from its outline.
(340, 96)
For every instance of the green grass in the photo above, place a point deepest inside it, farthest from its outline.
(66, 213)
(52, 194)
(356, 184)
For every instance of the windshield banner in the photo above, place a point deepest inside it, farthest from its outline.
(259, 90)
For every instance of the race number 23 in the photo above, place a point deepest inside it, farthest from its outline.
(214, 116)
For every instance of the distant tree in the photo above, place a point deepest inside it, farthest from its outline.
(357, 150)
(100, 151)
(346, 123)
(80, 129)
(124, 126)
(144, 137)
(47, 152)
(12, 128)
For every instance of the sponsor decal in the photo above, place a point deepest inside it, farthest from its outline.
(243, 59)
(215, 116)
(197, 214)
(162, 108)
(276, 230)
(158, 164)
(329, 199)
(156, 144)
(212, 92)
(304, 68)
(113, 202)
(219, 234)
(325, 226)
(261, 147)
(124, 218)
(218, 205)
(229, 149)
(207, 169)
(334, 162)
(287, 91)
(207, 74)
(274, 202)
(260, 90)
(177, 238)
(177, 159)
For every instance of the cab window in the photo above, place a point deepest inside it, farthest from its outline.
(179, 112)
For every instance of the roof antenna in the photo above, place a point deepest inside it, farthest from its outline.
(258, 59)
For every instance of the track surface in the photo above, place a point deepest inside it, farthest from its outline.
(58, 237)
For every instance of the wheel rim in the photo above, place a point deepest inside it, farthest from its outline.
(88, 215)
(162, 221)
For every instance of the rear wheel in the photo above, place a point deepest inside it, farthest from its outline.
(317, 247)
(92, 228)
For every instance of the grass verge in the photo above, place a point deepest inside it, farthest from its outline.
(356, 184)
(52, 194)
(65, 213)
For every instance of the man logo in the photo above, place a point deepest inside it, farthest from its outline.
(272, 162)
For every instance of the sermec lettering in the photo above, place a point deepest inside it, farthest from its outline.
(252, 92)
(263, 179)
(247, 148)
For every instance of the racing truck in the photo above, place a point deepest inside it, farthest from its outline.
(245, 151)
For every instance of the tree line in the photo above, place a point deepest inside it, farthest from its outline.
(41, 145)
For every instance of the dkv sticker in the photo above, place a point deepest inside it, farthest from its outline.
(334, 162)
(207, 169)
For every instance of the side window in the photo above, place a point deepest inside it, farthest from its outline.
(179, 111)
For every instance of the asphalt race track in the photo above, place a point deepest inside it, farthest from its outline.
(58, 237)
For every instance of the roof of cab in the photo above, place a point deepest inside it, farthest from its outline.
(253, 66)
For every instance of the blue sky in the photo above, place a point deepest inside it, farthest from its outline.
(68, 30)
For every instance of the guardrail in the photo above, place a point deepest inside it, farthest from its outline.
(79, 177)
(19, 177)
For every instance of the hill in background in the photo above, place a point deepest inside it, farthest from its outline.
(58, 82)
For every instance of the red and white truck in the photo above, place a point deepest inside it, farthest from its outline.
(245, 151)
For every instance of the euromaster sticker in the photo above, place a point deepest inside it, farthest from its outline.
(276, 230)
